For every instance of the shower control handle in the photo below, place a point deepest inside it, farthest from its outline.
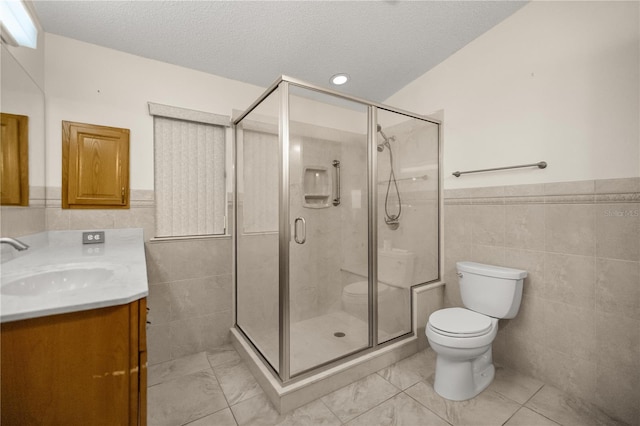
(295, 230)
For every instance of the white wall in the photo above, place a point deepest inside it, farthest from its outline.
(556, 81)
(93, 84)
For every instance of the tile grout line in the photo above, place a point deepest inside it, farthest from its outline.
(422, 405)
(511, 416)
(536, 411)
(220, 386)
(375, 406)
(330, 410)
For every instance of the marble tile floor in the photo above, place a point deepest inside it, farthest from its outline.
(216, 388)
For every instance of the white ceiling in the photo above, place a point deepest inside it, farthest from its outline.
(382, 45)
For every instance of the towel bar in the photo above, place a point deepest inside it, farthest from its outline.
(541, 165)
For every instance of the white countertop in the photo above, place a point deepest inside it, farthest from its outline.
(59, 274)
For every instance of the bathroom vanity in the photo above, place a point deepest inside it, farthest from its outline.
(74, 331)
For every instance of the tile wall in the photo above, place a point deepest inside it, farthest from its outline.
(190, 285)
(17, 221)
(578, 327)
(190, 296)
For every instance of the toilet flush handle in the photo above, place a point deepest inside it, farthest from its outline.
(459, 274)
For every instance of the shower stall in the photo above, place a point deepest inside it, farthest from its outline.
(336, 220)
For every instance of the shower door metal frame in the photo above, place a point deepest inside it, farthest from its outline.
(284, 237)
(284, 232)
(372, 170)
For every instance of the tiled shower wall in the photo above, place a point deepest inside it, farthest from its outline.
(578, 327)
(190, 286)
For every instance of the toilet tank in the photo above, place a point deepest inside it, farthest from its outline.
(395, 267)
(491, 290)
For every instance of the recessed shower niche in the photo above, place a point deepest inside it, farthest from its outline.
(316, 186)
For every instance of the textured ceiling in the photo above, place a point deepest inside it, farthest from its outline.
(382, 45)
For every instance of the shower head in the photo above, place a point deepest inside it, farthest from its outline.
(386, 140)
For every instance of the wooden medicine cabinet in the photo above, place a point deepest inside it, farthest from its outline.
(95, 166)
(15, 160)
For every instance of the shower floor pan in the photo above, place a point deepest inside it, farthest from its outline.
(314, 342)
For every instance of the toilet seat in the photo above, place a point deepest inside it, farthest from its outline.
(361, 288)
(460, 323)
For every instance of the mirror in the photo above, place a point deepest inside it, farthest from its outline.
(20, 96)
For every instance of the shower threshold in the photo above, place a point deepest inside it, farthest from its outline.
(300, 392)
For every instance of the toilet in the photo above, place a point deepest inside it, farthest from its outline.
(395, 276)
(462, 337)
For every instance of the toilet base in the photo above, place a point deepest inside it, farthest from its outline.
(461, 380)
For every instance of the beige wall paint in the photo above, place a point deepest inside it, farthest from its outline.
(556, 81)
(93, 84)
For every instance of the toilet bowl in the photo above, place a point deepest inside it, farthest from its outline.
(462, 337)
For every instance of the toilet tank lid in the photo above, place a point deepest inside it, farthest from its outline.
(490, 270)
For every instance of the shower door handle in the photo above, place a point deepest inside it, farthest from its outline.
(295, 230)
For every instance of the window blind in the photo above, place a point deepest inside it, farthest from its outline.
(189, 175)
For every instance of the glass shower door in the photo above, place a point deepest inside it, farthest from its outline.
(328, 249)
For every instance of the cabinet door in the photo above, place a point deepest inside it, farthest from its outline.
(14, 160)
(79, 368)
(142, 362)
(95, 166)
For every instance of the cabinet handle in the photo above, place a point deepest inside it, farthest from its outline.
(122, 192)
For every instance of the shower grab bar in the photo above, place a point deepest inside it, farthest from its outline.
(541, 165)
(295, 230)
(336, 165)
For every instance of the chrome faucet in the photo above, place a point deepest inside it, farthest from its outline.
(16, 244)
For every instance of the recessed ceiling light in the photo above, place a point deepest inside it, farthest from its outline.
(339, 79)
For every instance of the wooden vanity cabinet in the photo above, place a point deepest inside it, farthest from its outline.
(79, 368)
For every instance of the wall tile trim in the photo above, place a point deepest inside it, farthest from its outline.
(605, 191)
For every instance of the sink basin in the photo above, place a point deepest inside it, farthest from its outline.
(59, 281)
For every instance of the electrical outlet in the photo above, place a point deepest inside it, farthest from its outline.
(93, 237)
